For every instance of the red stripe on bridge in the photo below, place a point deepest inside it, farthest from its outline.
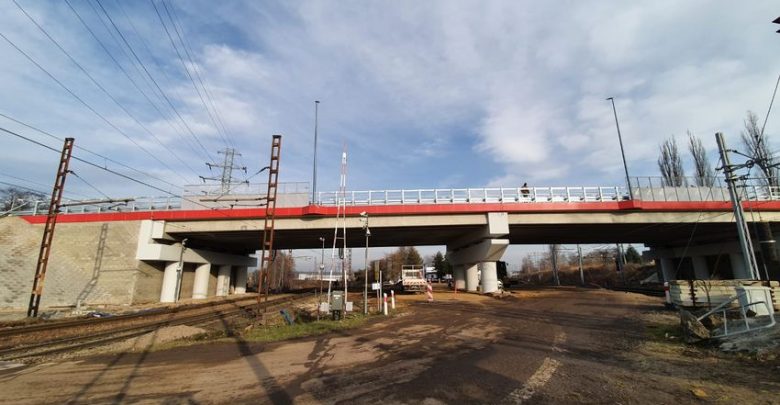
(409, 209)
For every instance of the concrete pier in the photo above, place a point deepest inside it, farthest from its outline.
(170, 276)
(472, 277)
(489, 277)
(223, 281)
(200, 286)
(241, 276)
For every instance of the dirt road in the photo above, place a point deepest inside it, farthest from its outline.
(548, 346)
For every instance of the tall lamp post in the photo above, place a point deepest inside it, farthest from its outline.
(322, 267)
(622, 152)
(314, 174)
(365, 272)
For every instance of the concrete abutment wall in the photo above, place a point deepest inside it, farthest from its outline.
(94, 263)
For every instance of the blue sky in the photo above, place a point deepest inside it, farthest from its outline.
(423, 94)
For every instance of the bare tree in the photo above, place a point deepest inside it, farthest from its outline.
(705, 176)
(554, 263)
(670, 164)
(757, 144)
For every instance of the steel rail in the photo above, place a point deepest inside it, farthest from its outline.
(19, 330)
(112, 335)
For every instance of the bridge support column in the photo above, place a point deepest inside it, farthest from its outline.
(169, 281)
(200, 286)
(489, 277)
(700, 269)
(738, 266)
(223, 280)
(241, 280)
(459, 276)
(667, 268)
(472, 277)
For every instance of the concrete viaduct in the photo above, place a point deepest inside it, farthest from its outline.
(132, 256)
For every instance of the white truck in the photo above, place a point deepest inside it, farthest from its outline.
(412, 278)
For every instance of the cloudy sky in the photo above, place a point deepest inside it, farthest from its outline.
(421, 94)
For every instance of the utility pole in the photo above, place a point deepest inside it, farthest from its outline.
(620, 263)
(180, 269)
(745, 243)
(622, 152)
(227, 166)
(322, 267)
(267, 247)
(554, 263)
(365, 273)
(48, 230)
(314, 174)
(579, 261)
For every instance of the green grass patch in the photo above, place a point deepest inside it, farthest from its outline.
(665, 331)
(313, 328)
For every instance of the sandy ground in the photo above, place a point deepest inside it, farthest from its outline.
(546, 346)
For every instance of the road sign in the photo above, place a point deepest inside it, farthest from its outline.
(375, 286)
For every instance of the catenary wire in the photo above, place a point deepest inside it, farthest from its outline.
(166, 117)
(104, 157)
(184, 65)
(76, 96)
(143, 66)
(105, 91)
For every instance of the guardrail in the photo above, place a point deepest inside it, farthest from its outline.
(644, 188)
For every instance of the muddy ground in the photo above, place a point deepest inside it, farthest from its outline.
(546, 346)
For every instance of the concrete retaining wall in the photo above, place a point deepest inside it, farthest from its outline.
(90, 262)
(710, 293)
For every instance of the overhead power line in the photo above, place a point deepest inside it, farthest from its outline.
(143, 66)
(186, 69)
(104, 157)
(204, 83)
(36, 183)
(190, 140)
(76, 96)
(89, 184)
(166, 117)
(122, 175)
(106, 92)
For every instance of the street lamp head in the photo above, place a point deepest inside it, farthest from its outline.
(316, 101)
(368, 232)
(322, 239)
(610, 98)
(363, 214)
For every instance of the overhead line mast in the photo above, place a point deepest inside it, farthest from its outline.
(48, 230)
(226, 179)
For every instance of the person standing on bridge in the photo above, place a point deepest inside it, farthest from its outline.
(524, 190)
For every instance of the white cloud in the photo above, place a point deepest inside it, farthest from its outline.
(456, 93)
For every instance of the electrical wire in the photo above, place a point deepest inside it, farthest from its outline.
(29, 58)
(106, 92)
(39, 184)
(122, 175)
(219, 129)
(166, 117)
(165, 96)
(89, 184)
(106, 158)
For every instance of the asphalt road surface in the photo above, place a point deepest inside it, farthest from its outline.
(548, 346)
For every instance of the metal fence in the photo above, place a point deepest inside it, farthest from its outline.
(644, 188)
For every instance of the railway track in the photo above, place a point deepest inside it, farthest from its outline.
(646, 291)
(64, 336)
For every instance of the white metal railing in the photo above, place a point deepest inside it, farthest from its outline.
(476, 195)
(644, 188)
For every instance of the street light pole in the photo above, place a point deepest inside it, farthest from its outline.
(314, 174)
(622, 152)
(365, 272)
(322, 267)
